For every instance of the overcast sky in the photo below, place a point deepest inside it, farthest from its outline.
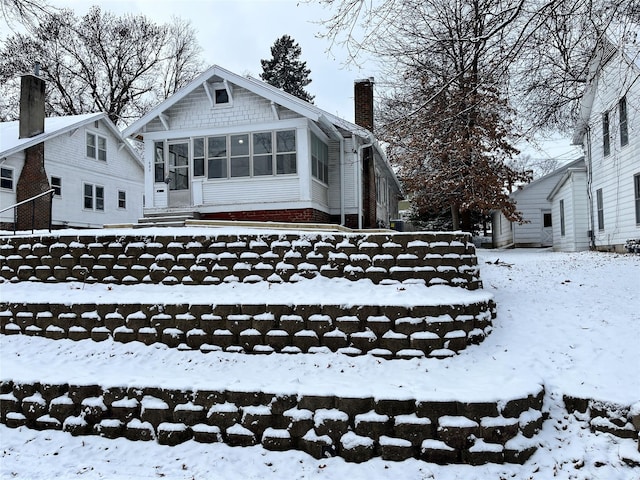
(237, 34)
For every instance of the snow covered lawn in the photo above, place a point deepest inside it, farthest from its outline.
(569, 321)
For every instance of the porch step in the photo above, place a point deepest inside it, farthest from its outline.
(159, 220)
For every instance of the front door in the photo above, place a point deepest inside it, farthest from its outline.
(546, 239)
(179, 184)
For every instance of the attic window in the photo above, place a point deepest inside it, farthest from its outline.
(219, 93)
(222, 96)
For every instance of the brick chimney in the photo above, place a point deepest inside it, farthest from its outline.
(363, 108)
(33, 178)
(31, 106)
(363, 95)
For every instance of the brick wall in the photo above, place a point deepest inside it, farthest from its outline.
(299, 215)
(33, 181)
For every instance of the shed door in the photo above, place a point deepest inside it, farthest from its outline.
(546, 239)
(179, 184)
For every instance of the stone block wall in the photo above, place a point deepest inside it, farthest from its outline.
(355, 428)
(390, 331)
(429, 258)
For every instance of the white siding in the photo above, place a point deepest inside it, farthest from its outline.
(614, 173)
(232, 194)
(65, 158)
(502, 232)
(573, 194)
(531, 201)
(195, 111)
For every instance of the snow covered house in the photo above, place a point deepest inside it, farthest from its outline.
(609, 132)
(568, 200)
(539, 229)
(96, 177)
(235, 148)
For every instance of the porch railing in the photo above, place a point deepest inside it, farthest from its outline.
(31, 200)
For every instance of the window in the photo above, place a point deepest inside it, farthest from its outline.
(6, 178)
(286, 152)
(257, 154)
(56, 184)
(122, 199)
(319, 159)
(93, 197)
(222, 96)
(624, 129)
(547, 220)
(239, 160)
(262, 154)
(636, 187)
(96, 146)
(562, 231)
(606, 145)
(217, 157)
(159, 162)
(198, 157)
(600, 208)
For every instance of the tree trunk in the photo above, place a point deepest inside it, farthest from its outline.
(455, 217)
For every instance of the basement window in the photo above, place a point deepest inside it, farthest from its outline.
(6, 178)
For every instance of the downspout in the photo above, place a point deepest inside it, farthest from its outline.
(359, 177)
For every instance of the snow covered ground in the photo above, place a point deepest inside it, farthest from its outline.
(568, 320)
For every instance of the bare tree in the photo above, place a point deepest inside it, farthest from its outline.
(467, 78)
(24, 12)
(102, 62)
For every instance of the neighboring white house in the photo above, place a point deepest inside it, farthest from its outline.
(569, 210)
(609, 132)
(96, 175)
(233, 147)
(539, 228)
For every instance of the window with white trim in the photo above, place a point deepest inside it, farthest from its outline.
(562, 231)
(96, 146)
(93, 197)
(158, 162)
(319, 159)
(198, 157)
(600, 208)
(122, 199)
(56, 184)
(624, 127)
(250, 154)
(6, 178)
(636, 188)
(606, 139)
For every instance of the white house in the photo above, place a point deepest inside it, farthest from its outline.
(609, 132)
(233, 147)
(96, 176)
(539, 228)
(569, 209)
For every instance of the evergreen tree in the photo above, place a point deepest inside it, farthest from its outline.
(285, 70)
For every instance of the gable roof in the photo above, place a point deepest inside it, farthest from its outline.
(558, 171)
(577, 166)
(53, 127)
(275, 95)
(258, 87)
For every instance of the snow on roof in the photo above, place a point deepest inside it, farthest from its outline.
(53, 126)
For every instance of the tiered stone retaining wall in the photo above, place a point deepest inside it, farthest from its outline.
(386, 331)
(356, 429)
(435, 259)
